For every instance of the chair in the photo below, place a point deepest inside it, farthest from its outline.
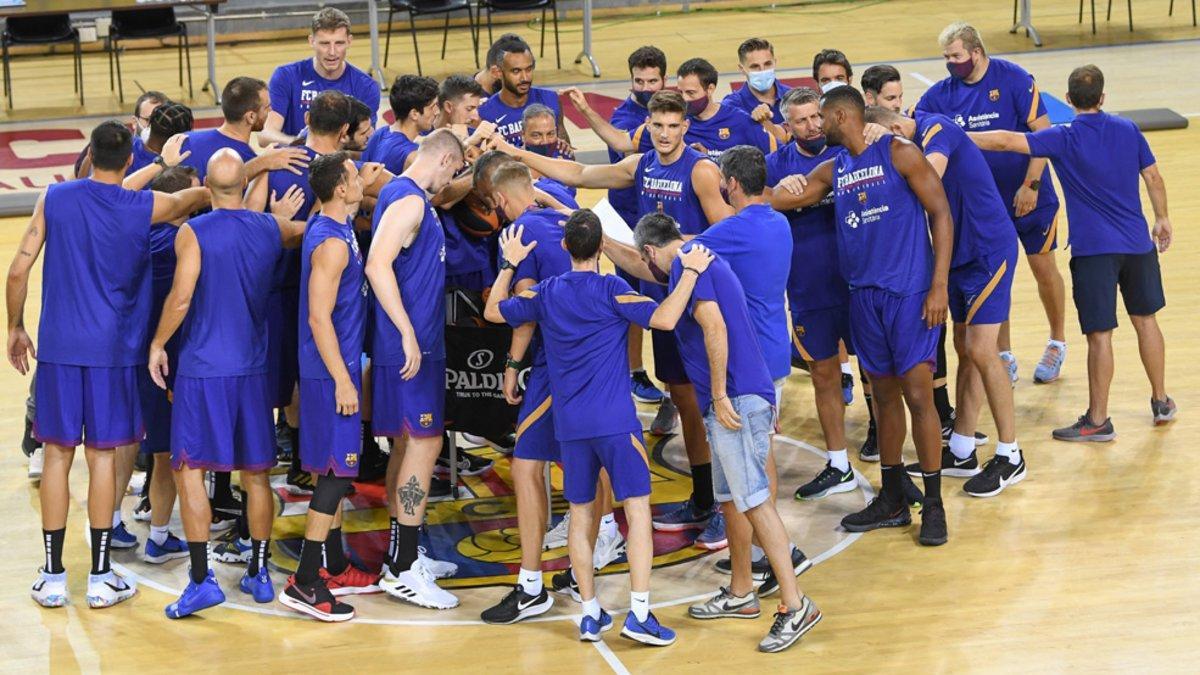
(41, 30)
(1108, 17)
(417, 8)
(524, 6)
(1171, 10)
(157, 22)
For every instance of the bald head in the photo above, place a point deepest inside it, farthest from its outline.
(226, 173)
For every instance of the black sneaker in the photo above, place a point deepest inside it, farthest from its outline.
(879, 513)
(1163, 411)
(948, 428)
(800, 565)
(518, 605)
(759, 569)
(373, 464)
(912, 493)
(315, 600)
(1084, 431)
(997, 474)
(299, 482)
(951, 465)
(226, 509)
(28, 442)
(869, 452)
(564, 583)
(283, 442)
(440, 489)
(468, 464)
(830, 481)
(933, 524)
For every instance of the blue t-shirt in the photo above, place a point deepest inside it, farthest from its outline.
(744, 100)
(95, 278)
(745, 370)
(756, 242)
(729, 127)
(205, 143)
(584, 319)
(547, 259)
(421, 275)
(350, 306)
(815, 281)
(293, 87)
(142, 157)
(279, 182)
(628, 117)
(981, 223)
(225, 332)
(562, 193)
(1099, 158)
(162, 276)
(508, 120)
(883, 233)
(389, 148)
(1006, 99)
(465, 253)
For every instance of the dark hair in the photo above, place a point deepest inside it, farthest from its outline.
(359, 111)
(844, 97)
(174, 179)
(112, 144)
(648, 57)
(701, 69)
(754, 45)
(799, 96)
(156, 96)
(328, 112)
(875, 77)
(486, 164)
(667, 101)
(655, 229)
(411, 92)
(240, 96)
(509, 43)
(330, 18)
(748, 166)
(831, 56)
(326, 172)
(583, 234)
(169, 119)
(1085, 86)
(457, 86)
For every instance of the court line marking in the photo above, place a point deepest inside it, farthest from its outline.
(922, 79)
(610, 658)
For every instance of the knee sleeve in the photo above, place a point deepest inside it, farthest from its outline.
(328, 494)
(939, 371)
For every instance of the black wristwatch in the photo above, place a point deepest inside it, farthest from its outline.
(161, 162)
(509, 362)
(506, 265)
(1035, 184)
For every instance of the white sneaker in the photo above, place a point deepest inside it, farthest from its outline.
(50, 590)
(36, 461)
(440, 569)
(141, 512)
(557, 536)
(106, 590)
(608, 549)
(418, 587)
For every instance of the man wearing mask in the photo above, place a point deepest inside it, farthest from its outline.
(714, 128)
(831, 69)
(762, 96)
(540, 135)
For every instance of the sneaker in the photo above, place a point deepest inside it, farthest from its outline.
(50, 590)
(1050, 366)
(644, 390)
(759, 569)
(299, 483)
(683, 517)
(951, 466)
(847, 388)
(233, 550)
(830, 481)
(222, 522)
(196, 596)
(869, 452)
(648, 632)
(726, 605)
(997, 474)
(1163, 411)
(564, 583)
(879, 513)
(37, 460)
(665, 419)
(1084, 431)
(314, 600)
(608, 549)
(590, 629)
(141, 512)
(440, 489)
(225, 512)
(713, 537)
(556, 537)
(504, 443)
(122, 538)
(108, 589)
(352, 581)
(800, 565)
(517, 605)
(28, 442)
(172, 548)
(933, 524)
(258, 586)
(790, 626)
(373, 464)
(912, 493)
(440, 569)
(1010, 364)
(468, 464)
(416, 586)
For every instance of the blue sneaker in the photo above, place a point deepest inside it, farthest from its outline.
(258, 586)
(1010, 364)
(713, 536)
(590, 629)
(644, 390)
(847, 388)
(196, 597)
(683, 517)
(648, 632)
(172, 548)
(122, 538)
(1050, 366)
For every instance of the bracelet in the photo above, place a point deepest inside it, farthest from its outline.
(720, 398)
(692, 269)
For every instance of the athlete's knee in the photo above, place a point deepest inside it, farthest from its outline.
(526, 470)
(328, 494)
(1143, 322)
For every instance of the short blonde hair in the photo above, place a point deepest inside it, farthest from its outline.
(330, 19)
(961, 30)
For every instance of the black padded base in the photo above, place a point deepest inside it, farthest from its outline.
(1155, 119)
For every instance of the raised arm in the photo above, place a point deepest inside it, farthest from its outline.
(518, 346)
(574, 174)
(272, 131)
(171, 207)
(396, 229)
(171, 157)
(179, 300)
(16, 291)
(627, 259)
(668, 313)
(795, 192)
(926, 184)
(706, 183)
(613, 137)
(512, 252)
(1158, 200)
(328, 261)
(291, 158)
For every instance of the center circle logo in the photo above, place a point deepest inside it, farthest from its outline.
(480, 359)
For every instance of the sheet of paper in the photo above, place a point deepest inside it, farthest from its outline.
(614, 226)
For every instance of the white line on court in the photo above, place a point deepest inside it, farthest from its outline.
(924, 80)
(610, 658)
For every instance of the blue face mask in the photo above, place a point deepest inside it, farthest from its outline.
(812, 146)
(547, 150)
(761, 80)
(642, 97)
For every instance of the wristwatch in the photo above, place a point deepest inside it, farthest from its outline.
(506, 265)
(1035, 184)
(161, 162)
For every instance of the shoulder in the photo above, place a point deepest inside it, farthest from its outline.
(1009, 69)
(547, 97)
(287, 70)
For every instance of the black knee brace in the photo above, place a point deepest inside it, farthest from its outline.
(328, 494)
(939, 371)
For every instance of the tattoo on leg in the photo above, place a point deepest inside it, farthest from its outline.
(411, 495)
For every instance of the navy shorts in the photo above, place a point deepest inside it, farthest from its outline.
(329, 441)
(890, 335)
(668, 364)
(222, 424)
(816, 332)
(623, 456)
(981, 291)
(1096, 278)
(97, 407)
(156, 411)
(283, 345)
(409, 407)
(535, 421)
(1038, 230)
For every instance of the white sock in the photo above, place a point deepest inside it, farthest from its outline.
(1008, 354)
(158, 534)
(639, 604)
(756, 553)
(846, 368)
(608, 525)
(531, 581)
(961, 446)
(592, 608)
(1062, 346)
(1009, 450)
(116, 518)
(839, 460)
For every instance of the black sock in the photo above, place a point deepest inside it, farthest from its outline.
(335, 554)
(941, 401)
(369, 444)
(243, 527)
(702, 487)
(198, 552)
(54, 546)
(933, 485)
(393, 542)
(870, 410)
(101, 539)
(221, 490)
(893, 486)
(294, 434)
(310, 562)
(149, 476)
(258, 555)
(406, 548)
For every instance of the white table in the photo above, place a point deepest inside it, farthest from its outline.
(1025, 20)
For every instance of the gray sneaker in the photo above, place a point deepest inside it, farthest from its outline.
(789, 627)
(666, 418)
(726, 605)
(1164, 411)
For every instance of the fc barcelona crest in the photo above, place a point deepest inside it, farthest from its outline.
(862, 198)
(426, 420)
(351, 458)
(723, 133)
(994, 95)
(800, 331)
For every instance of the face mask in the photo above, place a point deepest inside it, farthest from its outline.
(812, 146)
(761, 80)
(831, 85)
(960, 71)
(659, 276)
(642, 97)
(694, 108)
(548, 150)
(497, 86)
(144, 134)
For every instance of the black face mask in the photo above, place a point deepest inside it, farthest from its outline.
(547, 150)
(642, 97)
(497, 86)
(812, 146)
(659, 276)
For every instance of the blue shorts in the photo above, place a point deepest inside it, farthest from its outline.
(816, 332)
(283, 345)
(890, 335)
(535, 421)
(329, 441)
(156, 411)
(222, 424)
(97, 407)
(668, 364)
(623, 456)
(1038, 230)
(981, 290)
(409, 407)
(739, 458)
(1096, 278)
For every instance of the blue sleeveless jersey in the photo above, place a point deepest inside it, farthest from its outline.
(667, 188)
(548, 259)
(350, 306)
(205, 143)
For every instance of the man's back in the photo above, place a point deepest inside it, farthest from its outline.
(205, 143)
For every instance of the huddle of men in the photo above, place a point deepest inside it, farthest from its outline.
(777, 225)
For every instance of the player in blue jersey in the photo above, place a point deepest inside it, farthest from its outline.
(714, 128)
(762, 96)
(86, 388)
(458, 100)
(883, 193)
(295, 85)
(881, 86)
(513, 69)
(1099, 158)
(984, 93)
(414, 103)
(407, 270)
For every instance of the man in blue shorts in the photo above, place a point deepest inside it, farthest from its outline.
(513, 70)
(762, 96)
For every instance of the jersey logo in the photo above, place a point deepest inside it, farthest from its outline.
(862, 197)
(852, 220)
(994, 95)
(351, 458)
(305, 83)
(426, 420)
(958, 119)
(800, 332)
(723, 133)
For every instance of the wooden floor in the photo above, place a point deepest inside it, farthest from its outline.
(1090, 564)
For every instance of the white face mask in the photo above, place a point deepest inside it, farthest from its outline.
(831, 85)
(144, 134)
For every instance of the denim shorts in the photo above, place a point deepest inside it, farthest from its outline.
(739, 458)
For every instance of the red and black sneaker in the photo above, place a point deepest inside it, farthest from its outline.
(314, 600)
(352, 581)
(1084, 430)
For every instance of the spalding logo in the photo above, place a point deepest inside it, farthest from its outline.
(480, 359)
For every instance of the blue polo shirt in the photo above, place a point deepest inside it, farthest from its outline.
(744, 100)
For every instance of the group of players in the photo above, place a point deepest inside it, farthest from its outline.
(777, 226)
